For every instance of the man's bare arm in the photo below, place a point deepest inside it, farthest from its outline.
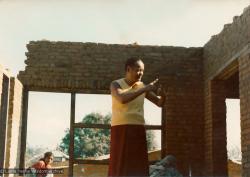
(159, 101)
(125, 97)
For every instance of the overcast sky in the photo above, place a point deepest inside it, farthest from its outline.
(188, 23)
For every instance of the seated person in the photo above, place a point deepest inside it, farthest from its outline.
(43, 164)
(166, 167)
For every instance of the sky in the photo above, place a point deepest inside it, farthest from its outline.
(188, 23)
(53, 117)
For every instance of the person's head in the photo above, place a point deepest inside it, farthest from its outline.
(48, 158)
(134, 68)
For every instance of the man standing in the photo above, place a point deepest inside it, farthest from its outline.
(128, 151)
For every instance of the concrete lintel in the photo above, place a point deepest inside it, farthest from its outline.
(67, 90)
(243, 52)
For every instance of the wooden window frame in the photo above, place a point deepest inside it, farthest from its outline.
(74, 125)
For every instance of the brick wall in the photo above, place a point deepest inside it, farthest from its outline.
(244, 67)
(184, 125)
(232, 85)
(222, 48)
(90, 67)
(220, 52)
(215, 129)
(70, 65)
(195, 117)
(14, 124)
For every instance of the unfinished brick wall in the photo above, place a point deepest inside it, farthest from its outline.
(14, 124)
(221, 56)
(244, 68)
(71, 65)
(224, 47)
(199, 80)
(90, 68)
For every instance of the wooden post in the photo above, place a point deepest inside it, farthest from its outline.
(71, 146)
(25, 101)
(163, 132)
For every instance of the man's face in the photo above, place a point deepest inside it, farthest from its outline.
(136, 72)
(48, 160)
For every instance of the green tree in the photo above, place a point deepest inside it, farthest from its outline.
(90, 142)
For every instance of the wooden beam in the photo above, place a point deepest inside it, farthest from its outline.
(71, 146)
(100, 162)
(163, 132)
(228, 71)
(100, 126)
(68, 90)
(108, 126)
(96, 162)
(153, 127)
(25, 101)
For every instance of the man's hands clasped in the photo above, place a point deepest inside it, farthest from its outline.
(152, 86)
(156, 88)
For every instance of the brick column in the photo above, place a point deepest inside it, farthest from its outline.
(215, 129)
(244, 77)
(184, 129)
(14, 125)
